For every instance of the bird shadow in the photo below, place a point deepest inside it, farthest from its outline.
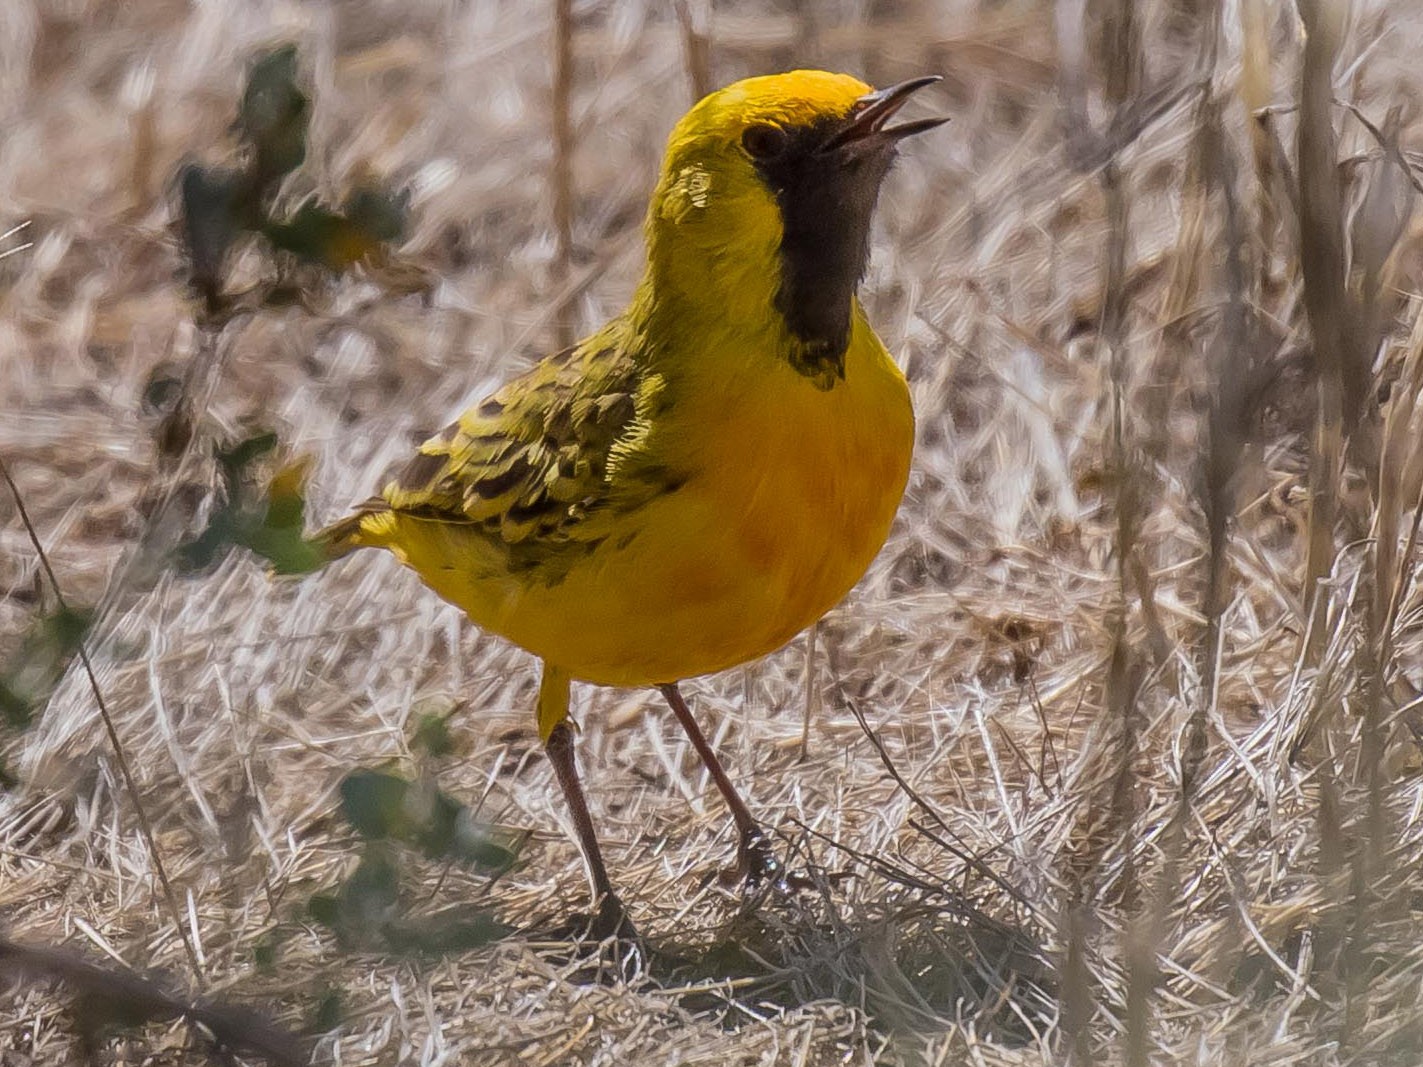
(916, 955)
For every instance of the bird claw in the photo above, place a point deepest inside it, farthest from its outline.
(757, 865)
(611, 926)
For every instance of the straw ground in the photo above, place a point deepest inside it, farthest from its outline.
(1131, 692)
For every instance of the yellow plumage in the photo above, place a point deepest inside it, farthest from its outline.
(698, 481)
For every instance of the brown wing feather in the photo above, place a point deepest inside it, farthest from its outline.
(530, 464)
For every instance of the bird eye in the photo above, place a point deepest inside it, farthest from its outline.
(764, 142)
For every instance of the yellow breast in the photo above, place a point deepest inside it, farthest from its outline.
(791, 495)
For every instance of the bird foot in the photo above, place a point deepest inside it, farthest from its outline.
(757, 865)
(611, 920)
(611, 927)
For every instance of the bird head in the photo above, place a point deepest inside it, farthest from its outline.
(765, 199)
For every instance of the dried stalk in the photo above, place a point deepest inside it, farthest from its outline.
(1086, 150)
(1255, 95)
(696, 47)
(563, 146)
(1232, 371)
(1321, 244)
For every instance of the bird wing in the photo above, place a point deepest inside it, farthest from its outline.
(554, 457)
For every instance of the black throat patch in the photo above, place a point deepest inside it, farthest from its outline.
(826, 201)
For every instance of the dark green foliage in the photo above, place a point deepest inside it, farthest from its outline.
(365, 912)
(221, 205)
(330, 1012)
(213, 206)
(432, 734)
(265, 951)
(385, 807)
(221, 208)
(448, 931)
(380, 214)
(350, 915)
(53, 639)
(338, 241)
(267, 521)
(367, 900)
(274, 117)
(389, 811)
(277, 536)
(240, 456)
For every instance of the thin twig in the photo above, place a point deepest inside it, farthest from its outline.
(958, 851)
(1388, 144)
(120, 758)
(908, 879)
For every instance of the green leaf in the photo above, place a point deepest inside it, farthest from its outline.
(330, 1012)
(365, 903)
(285, 549)
(319, 235)
(54, 637)
(369, 897)
(277, 534)
(371, 801)
(432, 734)
(274, 116)
(325, 908)
(487, 847)
(381, 215)
(204, 550)
(235, 460)
(213, 216)
(265, 951)
(66, 627)
(363, 913)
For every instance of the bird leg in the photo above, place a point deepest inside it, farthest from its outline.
(756, 861)
(610, 918)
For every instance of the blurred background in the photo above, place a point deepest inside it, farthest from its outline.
(1112, 755)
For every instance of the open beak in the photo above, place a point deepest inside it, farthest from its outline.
(872, 112)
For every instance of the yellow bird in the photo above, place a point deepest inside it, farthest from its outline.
(698, 481)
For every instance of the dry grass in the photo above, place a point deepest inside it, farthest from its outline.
(1108, 579)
